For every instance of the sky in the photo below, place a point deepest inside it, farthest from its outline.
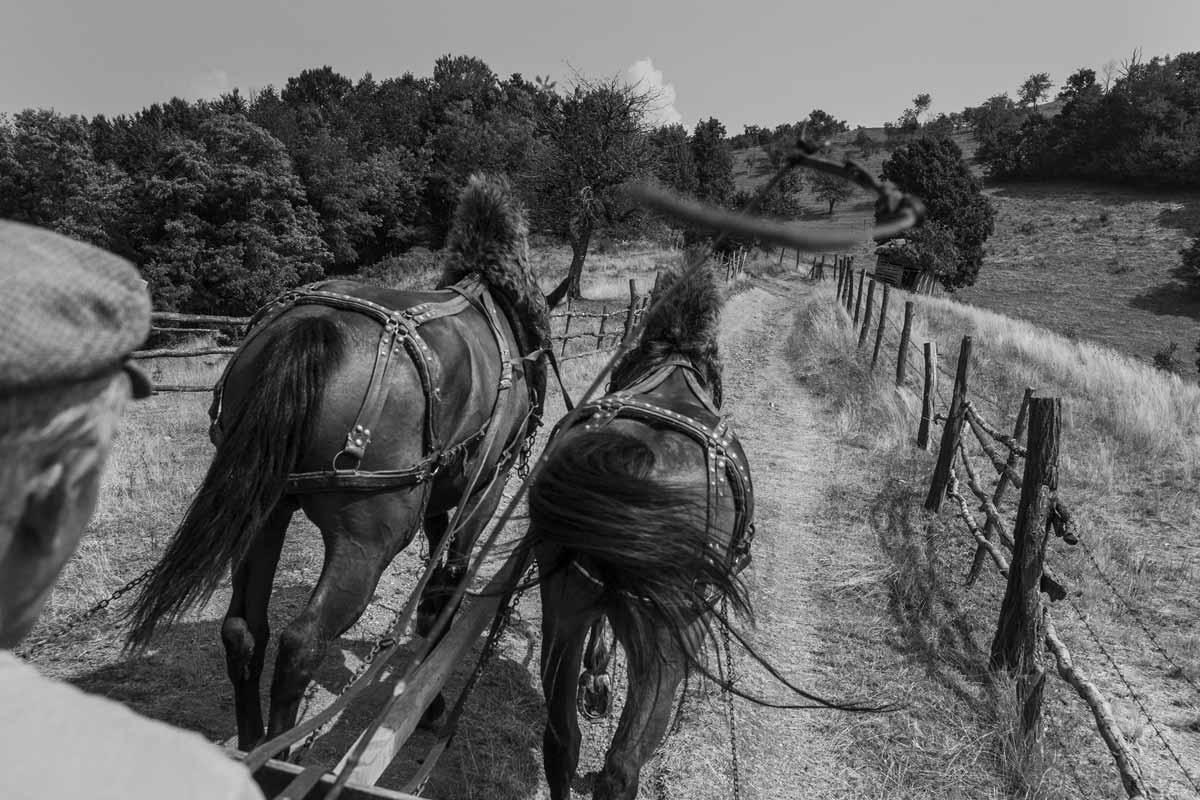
(741, 61)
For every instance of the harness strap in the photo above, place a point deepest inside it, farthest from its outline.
(549, 353)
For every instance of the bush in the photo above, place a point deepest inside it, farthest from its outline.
(933, 169)
(1166, 359)
(1190, 257)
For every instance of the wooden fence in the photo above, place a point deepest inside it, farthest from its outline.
(577, 332)
(1025, 631)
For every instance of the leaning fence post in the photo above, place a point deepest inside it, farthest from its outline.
(1018, 641)
(603, 321)
(838, 274)
(858, 301)
(850, 292)
(862, 334)
(951, 430)
(989, 530)
(905, 333)
(883, 318)
(927, 397)
(629, 312)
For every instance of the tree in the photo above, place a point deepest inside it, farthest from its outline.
(831, 189)
(921, 104)
(675, 165)
(714, 162)
(821, 126)
(933, 169)
(865, 143)
(1035, 87)
(592, 141)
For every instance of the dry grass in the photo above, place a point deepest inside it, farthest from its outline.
(1130, 452)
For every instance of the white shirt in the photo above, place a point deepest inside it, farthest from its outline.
(59, 743)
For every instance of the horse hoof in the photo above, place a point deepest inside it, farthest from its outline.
(594, 699)
(433, 713)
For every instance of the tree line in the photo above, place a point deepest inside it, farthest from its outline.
(224, 203)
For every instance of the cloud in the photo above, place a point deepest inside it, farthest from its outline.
(643, 75)
(210, 85)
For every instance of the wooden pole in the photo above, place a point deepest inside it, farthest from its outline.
(1017, 644)
(951, 431)
(797, 261)
(883, 318)
(858, 301)
(566, 328)
(838, 272)
(862, 334)
(927, 397)
(905, 334)
(1001, 486)
(629, 312)
(169, 353)
(850, 292)
(603, 320)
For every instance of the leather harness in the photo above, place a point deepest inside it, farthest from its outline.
(724, 459)
(400, 333)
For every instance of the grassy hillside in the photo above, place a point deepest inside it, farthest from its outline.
(1087, 261)
(1130, 457)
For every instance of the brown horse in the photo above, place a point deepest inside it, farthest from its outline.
(642, 513)
(375, 411)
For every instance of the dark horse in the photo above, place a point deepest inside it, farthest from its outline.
(641, 514)
(375, 411)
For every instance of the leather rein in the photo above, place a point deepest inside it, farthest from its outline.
(400, 333)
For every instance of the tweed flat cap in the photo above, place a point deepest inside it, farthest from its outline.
(69, 311)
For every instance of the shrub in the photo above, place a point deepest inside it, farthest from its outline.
(1166, 359)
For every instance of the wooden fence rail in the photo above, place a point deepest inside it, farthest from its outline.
(1024, 633)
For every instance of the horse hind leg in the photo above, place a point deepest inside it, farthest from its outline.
(653, 680)
(361, 538)
(245, 631)
(565, 622)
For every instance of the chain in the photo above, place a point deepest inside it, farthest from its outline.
(526, 453)
(71, 624)
(728, 679)
(384, 642)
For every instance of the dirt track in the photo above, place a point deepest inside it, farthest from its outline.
(498, 751)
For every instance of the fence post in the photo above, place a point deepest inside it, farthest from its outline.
(858, 301)
(629, 312)
(603, 320)
(862, 334)
(850, 292)
(989, 530)
(882, 322)
(952, 429)
(797, 260)
(566, 327)
(1018, 641)
(838, 272)
(781, 251)
(905, 333)
(927, 398)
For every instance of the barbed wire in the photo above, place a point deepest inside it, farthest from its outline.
(1137, 618)
(1133, 693)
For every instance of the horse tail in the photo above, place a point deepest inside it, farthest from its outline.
(262, 441)
(648, 542)
(646, 539)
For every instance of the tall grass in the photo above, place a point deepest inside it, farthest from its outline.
(1130, 452)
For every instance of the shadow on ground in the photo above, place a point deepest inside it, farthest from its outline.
(496, 753)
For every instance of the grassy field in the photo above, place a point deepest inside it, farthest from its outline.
(1087, 261)
(1129, 463)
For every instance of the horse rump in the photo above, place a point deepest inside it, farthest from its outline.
(645, 538)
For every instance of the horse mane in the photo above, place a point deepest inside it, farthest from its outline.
(489, 236)
(686, 324)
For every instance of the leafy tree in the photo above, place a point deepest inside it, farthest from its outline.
(675, 165)
(714, 162)
(49, 176)
(865, 143)
(821, 126)
(1035, 87)
(933, 169)
(224, 225)
(921, 104)
(831, 189)
(592, 141)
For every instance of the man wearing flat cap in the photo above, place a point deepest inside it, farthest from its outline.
(70, 314)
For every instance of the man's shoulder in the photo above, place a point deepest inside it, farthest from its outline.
(56, 739)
